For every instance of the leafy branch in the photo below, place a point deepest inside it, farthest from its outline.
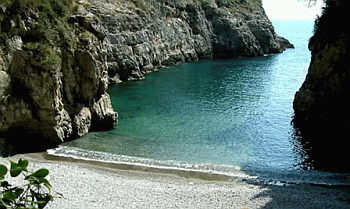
(35, 193)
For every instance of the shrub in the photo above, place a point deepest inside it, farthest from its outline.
(44, 53)
(325, 29)
(35, 193)
(52, 8)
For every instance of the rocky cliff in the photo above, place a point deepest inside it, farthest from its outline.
(144, 36)
(57, 57)
(53, 80)
(321, 105)
(322, 100)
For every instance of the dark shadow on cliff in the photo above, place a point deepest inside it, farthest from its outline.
(17, 145)
(321, 123)
(20, 141)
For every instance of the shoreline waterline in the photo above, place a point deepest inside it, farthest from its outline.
(196, 173)
(186, 173)
(207, 172)
(88, 184)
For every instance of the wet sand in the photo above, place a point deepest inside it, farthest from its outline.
(103, 185)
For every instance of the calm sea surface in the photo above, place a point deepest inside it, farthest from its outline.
(226, 116)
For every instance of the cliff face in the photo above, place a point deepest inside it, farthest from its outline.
(146, 36)
(57, 57)
(52, 89)
(322, 99)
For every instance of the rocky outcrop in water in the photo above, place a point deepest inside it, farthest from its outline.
(322, 99)
(143, 37)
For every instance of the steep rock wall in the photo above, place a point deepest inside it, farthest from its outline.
(322, 101)
(50, 97)
(55, 69)
(144, 37)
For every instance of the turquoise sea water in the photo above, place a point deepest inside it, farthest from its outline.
(226, 116)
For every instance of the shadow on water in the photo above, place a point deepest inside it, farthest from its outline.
(305, 196)
(321, 147)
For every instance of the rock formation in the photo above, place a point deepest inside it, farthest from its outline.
(146, 36)
(51, 97)
(57, 57)
(322, 99)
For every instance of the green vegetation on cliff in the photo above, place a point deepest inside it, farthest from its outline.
(326, 29)
(40, 24)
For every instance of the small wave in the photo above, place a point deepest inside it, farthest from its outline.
(288, 177)
(206, 171)
(189, 170)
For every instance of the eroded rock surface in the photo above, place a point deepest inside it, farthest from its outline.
(144, 38)
(55, 69)
(42, 103)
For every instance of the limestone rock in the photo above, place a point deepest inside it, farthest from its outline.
(82, 122)
(62, 94)
(160, 33)
(5, 81)
(103, 115)
(43, 105)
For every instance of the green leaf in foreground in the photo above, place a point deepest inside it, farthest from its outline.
(3, 170)
(10, 196)
(15, 170)
(38, 177)
(43, 172)
(18, 192)
(23, 164)
(36, 181)
(34, 194)
(46, 183)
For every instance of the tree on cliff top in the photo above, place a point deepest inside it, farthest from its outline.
(311, 3)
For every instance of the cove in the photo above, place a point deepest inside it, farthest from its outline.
(229, 114)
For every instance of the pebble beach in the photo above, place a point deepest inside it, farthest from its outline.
(100, 185)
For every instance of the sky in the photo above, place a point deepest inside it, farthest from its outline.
(291, 9)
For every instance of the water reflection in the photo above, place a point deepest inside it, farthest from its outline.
(320, 148)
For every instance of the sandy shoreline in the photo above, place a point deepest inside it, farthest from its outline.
(100, 185)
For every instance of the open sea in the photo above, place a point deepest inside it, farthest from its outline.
(224, 117)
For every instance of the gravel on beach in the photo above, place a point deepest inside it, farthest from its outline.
(97, 185)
